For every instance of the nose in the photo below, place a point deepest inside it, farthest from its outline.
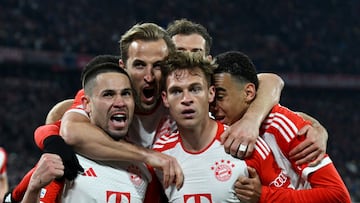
(149, 74)
(186, 99)
(118, 101)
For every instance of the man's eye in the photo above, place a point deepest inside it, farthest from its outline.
(127, 93)
(139, 65)
(107, 94)
(219, 97)
(157, 67)
(175, 92)
(196, 89)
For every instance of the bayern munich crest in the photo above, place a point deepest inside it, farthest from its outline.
(223, 170)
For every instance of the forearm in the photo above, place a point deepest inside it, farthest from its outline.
(32, 195)
(268, 95)
(57, 112)
(92, 142)
(307, 117)
(4, 186)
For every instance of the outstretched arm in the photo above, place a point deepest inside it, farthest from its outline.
(57, 112)
(85, 137)
(246, 130)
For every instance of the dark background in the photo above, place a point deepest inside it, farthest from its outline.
(313, 45)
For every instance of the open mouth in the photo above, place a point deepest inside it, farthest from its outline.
(118, 118)
(189, 111)
(148, 92)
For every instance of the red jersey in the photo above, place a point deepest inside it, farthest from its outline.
(279, 130)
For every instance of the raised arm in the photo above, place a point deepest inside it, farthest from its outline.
(49, 167)
(57, 112)
(246, 130)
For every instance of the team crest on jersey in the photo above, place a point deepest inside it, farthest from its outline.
(135, 175)
(223, 170)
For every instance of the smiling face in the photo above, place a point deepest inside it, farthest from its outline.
(187, 93)
(143, 66)
(231, 98)
(111, 103)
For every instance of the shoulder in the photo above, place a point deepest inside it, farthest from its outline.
(167, 141)
(281, 117)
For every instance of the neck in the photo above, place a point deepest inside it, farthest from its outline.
(198, 138)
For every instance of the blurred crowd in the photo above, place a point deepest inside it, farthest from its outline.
(281, 36)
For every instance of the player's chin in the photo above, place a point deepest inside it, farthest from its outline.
(147, 106)
(118, 134)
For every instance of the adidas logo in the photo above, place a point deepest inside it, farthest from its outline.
(89, 172)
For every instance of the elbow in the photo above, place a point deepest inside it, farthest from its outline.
(67, 135)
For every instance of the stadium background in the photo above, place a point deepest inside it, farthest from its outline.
(312, 44)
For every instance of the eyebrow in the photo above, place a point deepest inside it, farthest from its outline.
(220, 89)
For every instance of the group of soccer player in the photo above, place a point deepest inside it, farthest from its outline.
(140, 130)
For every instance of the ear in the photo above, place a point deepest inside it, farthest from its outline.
(122, 64)
(164, 98)
(250, 92)
(211, 93)
(209, 57)
(86, 103)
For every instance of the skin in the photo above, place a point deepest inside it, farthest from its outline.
(107, 102)
(49, 167)
(143, 66)
(4, 184)
(57, 112)
(249, 189)
(186, 95)
(243, 131)
(191, 43)
(246, 130)
(231, 104)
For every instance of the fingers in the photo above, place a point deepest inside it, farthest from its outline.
(179, 177)
(223, 137)
(49, 167)
(239, 141)
(304, 130)
(172, 172)
(300, 150)
(252, 172)
(243, 190)
(317, 160)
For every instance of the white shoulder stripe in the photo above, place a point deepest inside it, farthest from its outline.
(262, 148)
(163, 140)
(286, 127)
